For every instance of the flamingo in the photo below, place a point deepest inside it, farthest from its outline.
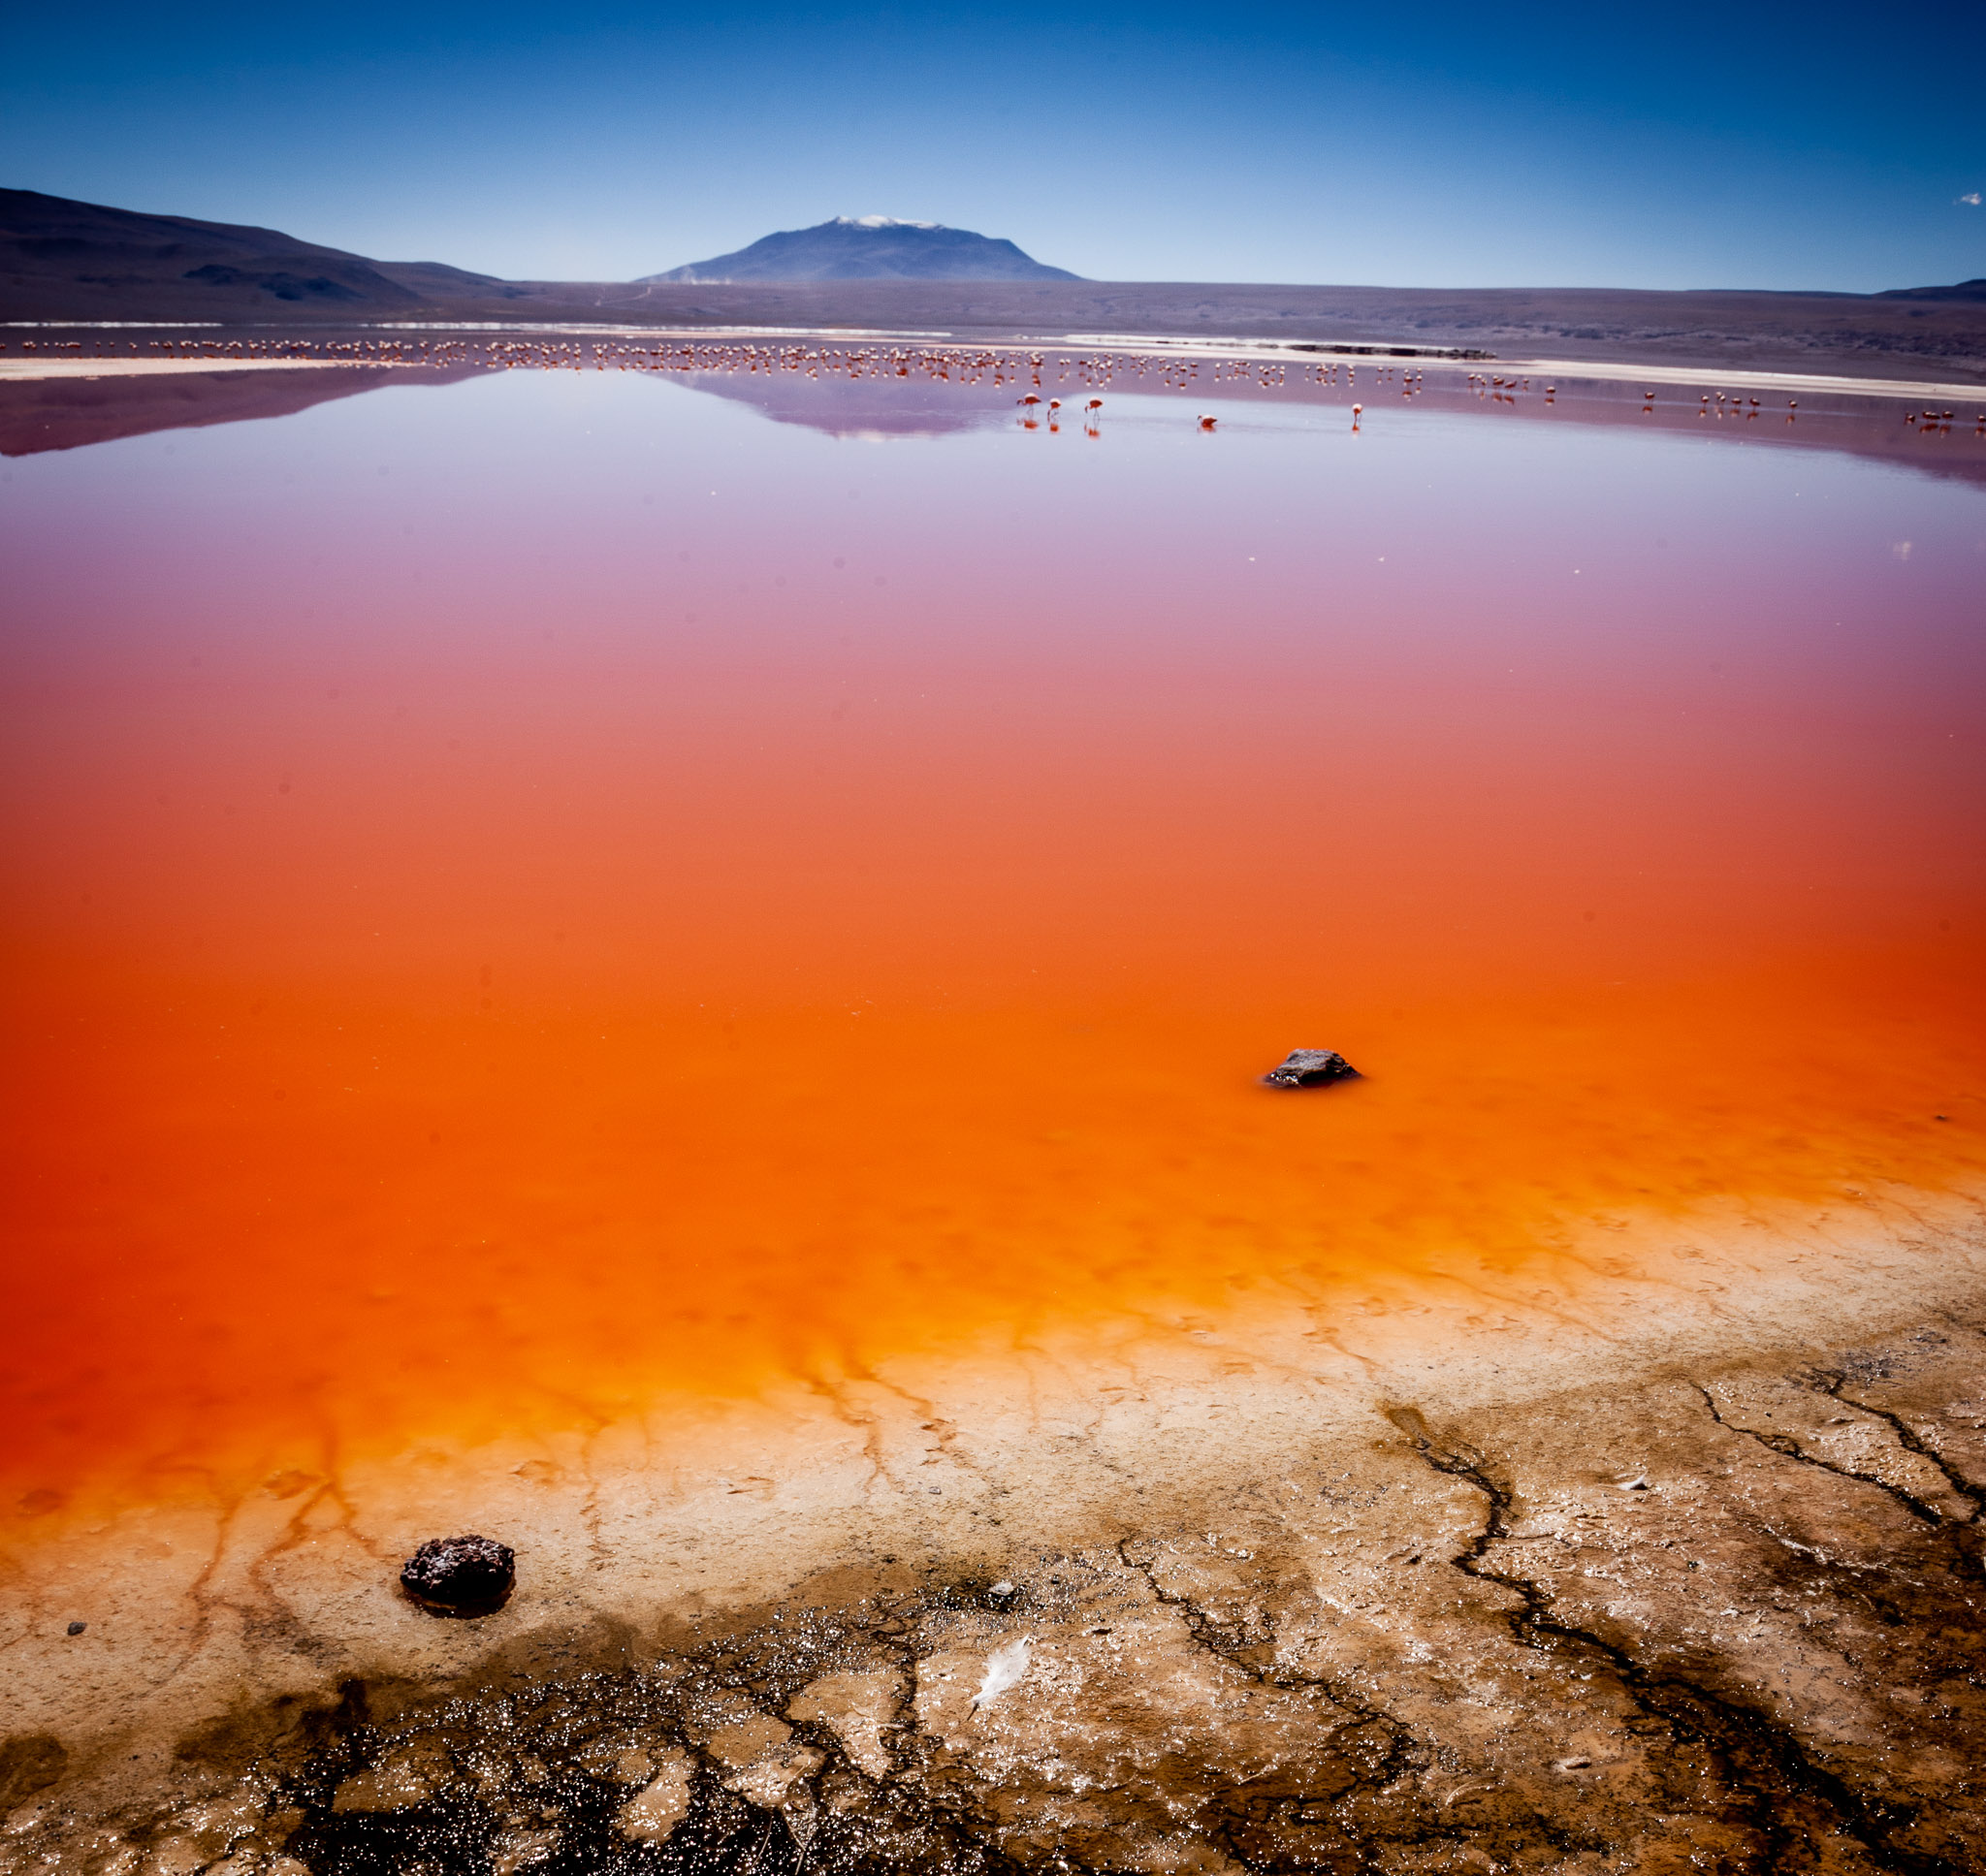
(1094, 405)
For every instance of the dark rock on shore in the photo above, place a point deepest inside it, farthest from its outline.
(1528, 1636)
(468, 1575)
(1310, 1069)
(1721, 1618)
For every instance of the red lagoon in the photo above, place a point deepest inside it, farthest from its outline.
(531, 899)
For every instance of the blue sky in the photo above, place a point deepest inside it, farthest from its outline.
(1821, 146)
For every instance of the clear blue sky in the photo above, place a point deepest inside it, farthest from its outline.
(1822, 145)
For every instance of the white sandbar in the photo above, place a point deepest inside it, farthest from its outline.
(29, 368)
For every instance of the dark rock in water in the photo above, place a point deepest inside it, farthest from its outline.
(1310, 1069)
(460, 1576)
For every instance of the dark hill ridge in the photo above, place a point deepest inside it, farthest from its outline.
(1965, 290)
(76, 260)
(868, 247)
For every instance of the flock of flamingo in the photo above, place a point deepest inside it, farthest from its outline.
(630, 351)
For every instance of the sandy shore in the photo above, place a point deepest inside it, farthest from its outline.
(1600, 370)
(1570, 369)
(1665, 1553)
(21, 370)
(1673, 374)
(1158, 345)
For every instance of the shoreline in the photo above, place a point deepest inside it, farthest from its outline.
(1106, 1473)
(31, 371)
(1572, 370)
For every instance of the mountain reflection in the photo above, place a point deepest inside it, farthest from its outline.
(43, 414)
(866, 408)
(39, 415)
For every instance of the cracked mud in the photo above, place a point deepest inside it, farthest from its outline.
(1710, 1621)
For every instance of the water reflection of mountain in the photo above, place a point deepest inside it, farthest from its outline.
(858, 408)
(1852, 423)
(885, 407)
(41, 414)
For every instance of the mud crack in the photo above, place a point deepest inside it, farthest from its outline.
(1763, 1761)
(1789, 1448)
(1834, 1380)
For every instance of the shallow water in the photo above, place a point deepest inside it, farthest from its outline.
(535, 894)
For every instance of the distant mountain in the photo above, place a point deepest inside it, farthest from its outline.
(867, 247)
(63, 259)
(1966, 289)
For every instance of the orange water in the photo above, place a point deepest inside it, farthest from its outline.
(532, 896)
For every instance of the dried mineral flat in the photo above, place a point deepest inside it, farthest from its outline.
(1667, 1551)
